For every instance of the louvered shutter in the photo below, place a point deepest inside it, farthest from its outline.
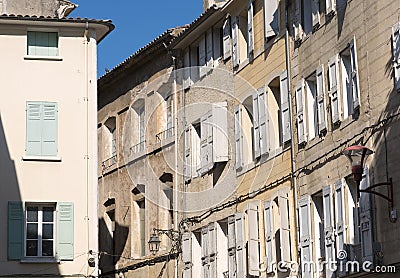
(212, 250)
(271, 18)
(329, 237)
(253, 250)
(49, 129)
(219, 132)
(300, 105)
(250, 27)
(334, 88)
(355, 85)
(285, 106)
(340, 217)
(188, 154)
(187, 255)
(209, 47)
(194, 67)
(210, 141)
(226, 37)
(367, 253)
(269, 236)
(231, 247)
(34, 128)
(202, 56)
(203, 145)
(15, 227)
(205, 263)
(321, 99)
(315, 12)
(256, 127)
(240, 246)
(396, 55)
(297, 20)
(235, 41)
(186, 68)
(65, 231)
(263, 120)
(238, 137)
(283, 201)
(330, 6)
(305, 237)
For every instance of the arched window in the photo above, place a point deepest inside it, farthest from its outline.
(110, 146)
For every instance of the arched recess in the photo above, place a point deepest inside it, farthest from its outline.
(138, 122)
(110, 138)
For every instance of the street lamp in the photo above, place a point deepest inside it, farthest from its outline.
(154, 241)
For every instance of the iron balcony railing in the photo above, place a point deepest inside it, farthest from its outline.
(168, 133)
(138, 147)
(108, 163)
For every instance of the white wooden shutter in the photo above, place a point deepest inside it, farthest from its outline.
(231, 247)
(340, 218)
(269, 236)
(219, 132)
(300, 105)
(250, 27)
(355, 85)
(283, 200)
(315, 12)
(210, 144)
(330, 6)
(271, 18)
(305, 237)
(321, 99)
(187, 255)
(216, 46)
(367, 253)
(212, 250)
(188, 154)
(256, 127)
(226, 37)
(298, 32)
(194, 69)
(396, 55)
(186, 68)
(333, 88)
(253, 249)
(238, 137)
(202, 56)
(235, 41)
(329, 237)
(283, 79)
(263, 120)
(205, 262)
(209, 47)
(204, 145)
(240, 246)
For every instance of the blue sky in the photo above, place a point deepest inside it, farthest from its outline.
(136, 23)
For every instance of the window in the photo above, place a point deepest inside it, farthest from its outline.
(41, 128)
(307, 17)
(396, 55)
(138, 126)
(311, 103)
(142, 220)
(111, 137)
(164, 115)
(42, 43)
(138, 226)
(271, 18)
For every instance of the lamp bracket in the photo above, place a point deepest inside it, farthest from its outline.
(389, 196)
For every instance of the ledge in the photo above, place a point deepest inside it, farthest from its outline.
(41, 158)
(43, 58)
(39, 260)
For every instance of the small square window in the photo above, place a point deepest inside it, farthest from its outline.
(42, 44)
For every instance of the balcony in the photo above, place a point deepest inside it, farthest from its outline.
(108, 164)
(166, 136)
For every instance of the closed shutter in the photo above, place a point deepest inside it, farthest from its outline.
(226, 37)
(321, 99)
(65, 231)
(300, 105)
(34, 128)
(305, 237)
(209, 47)
(210, 144)
(367, 253)
(340, 217)
(188, 154)
(186, 68)
(212, 250)
(235, 41)
(355, 85)
(269, 236)
(49, 129)
(298, 32)
(219, 132)
(334, 88)
(238, 137)
(256, 127)
(187, 255)
(329, 237)
(204, 145)
(15, 225)
(253, 250)
(194, 69)
(283, 79)
(250, 27)
(263, 120)
(240, 246)
(271, 18)
(396, 55)
(231, 247)
(283, 201)
(202, 56)
(315, 12)
(330, 6)
(205, 263)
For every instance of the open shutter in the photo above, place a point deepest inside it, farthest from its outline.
(210, 142)
(315, 12)
(205, 263)
(186, 68)
(305, 237)
(253, 250)
(65, 231)
(334, 88)
(187, 255)
(271, 18)
(219, 132)
(355, 85)
(202, 56)
(16, 220)
(240, 246)
(396, 55)
(321, 99)
(238, 137)
(330, 6)
(367, 253)
(301, 123)
(49, 129)
(194, 69)
(188, 154)
(204, 145)
(256, 127)
(235, 41)
(231, 247)
(263, 120)
(212, 250)
(34, 128)
(250, 27)
(269, 236)
(340, 222)
(298, 32)
(226, 37)
(285, 107)
(329, 237)
(283, 200)
(209, 47)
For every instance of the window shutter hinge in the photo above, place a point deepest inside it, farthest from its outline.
(86, 157)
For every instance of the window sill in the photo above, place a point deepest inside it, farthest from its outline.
(39, 260)
(41, 158)
(43, 58)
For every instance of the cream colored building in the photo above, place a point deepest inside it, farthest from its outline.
(48, 145)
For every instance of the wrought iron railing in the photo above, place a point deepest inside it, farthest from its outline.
(138, 147)
(108, 163)
(168, 133)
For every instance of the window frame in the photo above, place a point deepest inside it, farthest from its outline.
(33, 56)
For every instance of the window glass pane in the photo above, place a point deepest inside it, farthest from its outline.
(32, 214)
(32, 231)
(47, 248)
(47, 232)
(31, 247)
(48, 214)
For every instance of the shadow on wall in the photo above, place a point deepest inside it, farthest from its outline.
(341, 6)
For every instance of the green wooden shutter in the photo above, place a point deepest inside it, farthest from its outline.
(31, 43)
(33, 128)
(49, 129)
(53, 44)
(65, 231)
(15, 230)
